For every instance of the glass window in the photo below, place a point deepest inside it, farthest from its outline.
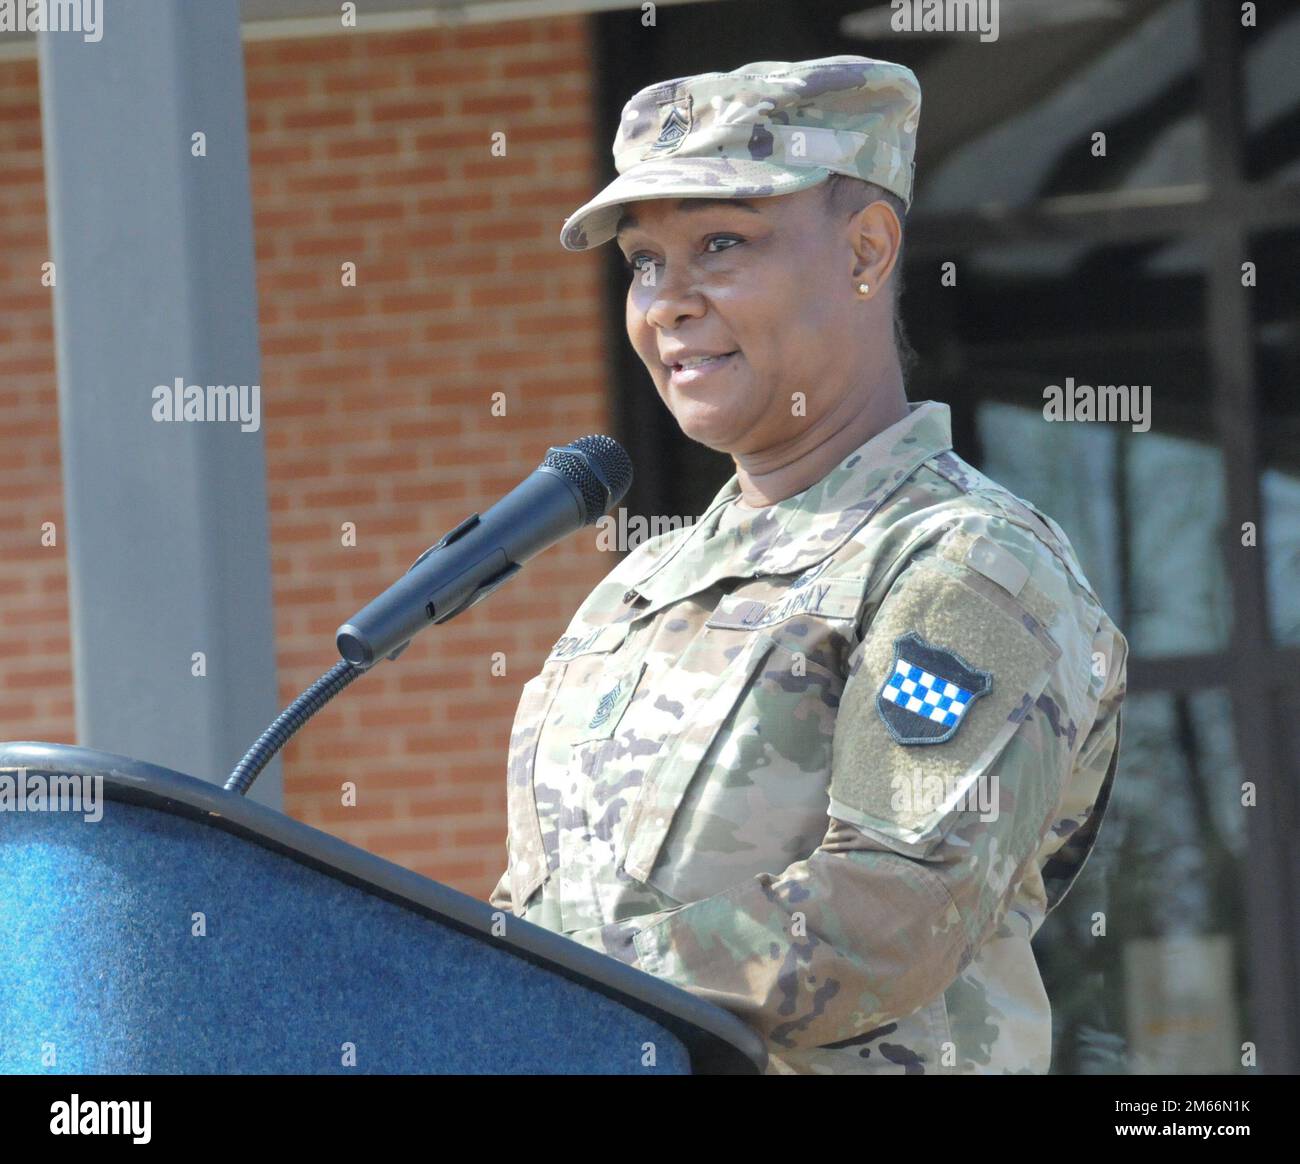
(1276, 256)
(1070, 473)
(1146, 959)
(1155, 558)
(1272, 94)
(1281, 501)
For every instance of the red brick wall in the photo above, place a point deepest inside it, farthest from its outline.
(35, 655)
(377, 401)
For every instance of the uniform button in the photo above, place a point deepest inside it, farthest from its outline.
(629, 596)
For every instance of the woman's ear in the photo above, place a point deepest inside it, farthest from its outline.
(876, 236)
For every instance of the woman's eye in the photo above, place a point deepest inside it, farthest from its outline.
(726, 238)
(633, 264)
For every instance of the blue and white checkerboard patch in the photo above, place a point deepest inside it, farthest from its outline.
(917, 690)
(925, 697)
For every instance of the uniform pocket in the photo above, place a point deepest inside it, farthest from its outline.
(528, 862)
(607, 705)
(671, 772)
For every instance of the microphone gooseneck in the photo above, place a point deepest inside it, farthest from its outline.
(288, 722)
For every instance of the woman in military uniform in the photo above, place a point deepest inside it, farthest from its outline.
(827, 756)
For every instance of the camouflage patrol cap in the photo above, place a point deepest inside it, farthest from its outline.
(771, 127)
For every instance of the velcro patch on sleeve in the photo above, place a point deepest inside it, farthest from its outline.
(950, 665)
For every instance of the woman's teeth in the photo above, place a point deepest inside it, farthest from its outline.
(698, 361)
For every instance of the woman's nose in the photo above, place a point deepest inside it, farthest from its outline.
(671, 299)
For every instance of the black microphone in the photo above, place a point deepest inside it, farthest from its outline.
(574, 486)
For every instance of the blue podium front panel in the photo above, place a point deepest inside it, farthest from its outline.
(156, 943)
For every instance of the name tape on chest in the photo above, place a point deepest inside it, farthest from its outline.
(600, 638)
(823, 598)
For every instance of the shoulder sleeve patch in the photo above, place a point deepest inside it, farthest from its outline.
(949, 667)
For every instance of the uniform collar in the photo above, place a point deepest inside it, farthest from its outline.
(800, 531)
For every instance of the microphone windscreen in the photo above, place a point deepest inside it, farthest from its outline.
(599, 466)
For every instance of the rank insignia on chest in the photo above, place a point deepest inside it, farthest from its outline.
(928, 693)
(606, 705)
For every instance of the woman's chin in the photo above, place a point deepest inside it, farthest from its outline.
(707, 424)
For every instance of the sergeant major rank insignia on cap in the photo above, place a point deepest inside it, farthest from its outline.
(928, 693)
(676, 125)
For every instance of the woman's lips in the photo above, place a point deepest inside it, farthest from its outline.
(684, 376)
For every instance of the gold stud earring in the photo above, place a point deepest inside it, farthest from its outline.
(863, 288)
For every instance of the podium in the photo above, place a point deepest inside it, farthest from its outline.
(163, 925)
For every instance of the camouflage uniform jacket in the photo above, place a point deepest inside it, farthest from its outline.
(830, 766)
